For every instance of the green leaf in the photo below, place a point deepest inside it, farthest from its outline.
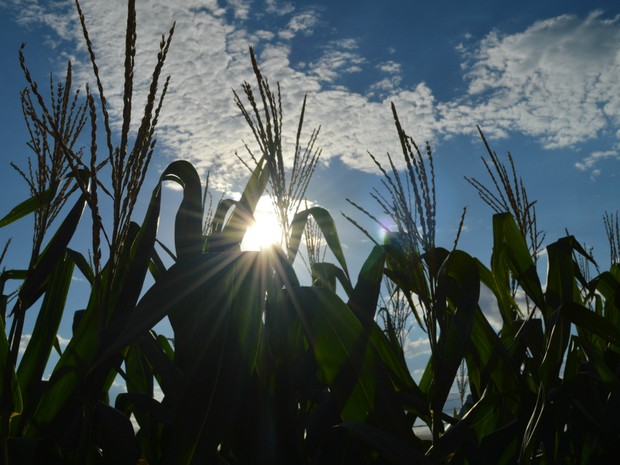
(142, 404)
(28, 206)
(510, 252)
(505, 301)
(475, 421)
(337, 340)
(561, 290)
(561, 284)
(460, 284)
(242, 215)
(116, 439)
(34, 360)
(389, 448)
(138, 375)
(160, 356)
(177, 289)
(15, 405)
(328, 228)
(217, 333)
(82, 264)
(32, 288)
(363, 301)
(188, 223)
(533, 430)
(590, 321)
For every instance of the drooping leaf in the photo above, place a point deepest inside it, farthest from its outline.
(328, 228)
(242, 215)
(590, 321)
(188, 223)
(82, 264)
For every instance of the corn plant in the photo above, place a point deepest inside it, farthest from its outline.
(64, 416)
(286, 189)
(263, 369)
(612, 230)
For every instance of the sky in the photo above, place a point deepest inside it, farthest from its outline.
(542, 80)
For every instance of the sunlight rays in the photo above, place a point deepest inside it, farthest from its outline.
(266, 230)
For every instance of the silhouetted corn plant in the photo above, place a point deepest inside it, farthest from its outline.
(509, 196)
(264, 370)
(68, 410)
(612, 230)
(395, 314)
(410, 204)
(286, 189)
(424, 274)
(49, 166)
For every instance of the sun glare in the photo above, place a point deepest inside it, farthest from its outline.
(266, 231)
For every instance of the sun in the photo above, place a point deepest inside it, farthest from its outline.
(265, 231)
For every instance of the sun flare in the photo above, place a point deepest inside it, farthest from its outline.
(265, 231)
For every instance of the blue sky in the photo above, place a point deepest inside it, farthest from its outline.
(542, 79)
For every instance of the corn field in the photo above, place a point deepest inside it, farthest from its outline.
(263, 370)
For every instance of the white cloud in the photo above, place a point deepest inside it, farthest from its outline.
(304, 22)
(62, 341)
(280, 8)
(390, 67)
(241, 8)
(417, 347)
(590, 162)
(23, 343)
(25, 339)
(340, 57)
(556, 80)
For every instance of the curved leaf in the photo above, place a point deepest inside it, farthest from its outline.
(328, 228)
(188, 222)
(242, 215)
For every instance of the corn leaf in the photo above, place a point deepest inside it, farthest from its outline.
(341, 350)
(328, 228)
(363, 300)
(34, 360)
(116, 439)
(8, 373)
(32, 288)
(188, 222)
(510, 250)
(389, 448)
(30, 205)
